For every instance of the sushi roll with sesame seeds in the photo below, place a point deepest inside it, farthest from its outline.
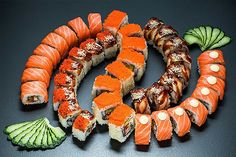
(83, 125)
(65, 80)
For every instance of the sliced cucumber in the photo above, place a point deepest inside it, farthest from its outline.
(204, 34)
(50, 141)
(215, 33)
(54, 139)
(200, 34)
(225, 40)
(8, 129)
(45, 139)
(192, 39)
(59, 133)
(194, 33)
(219, 37)
(209, 32)
(38, 140)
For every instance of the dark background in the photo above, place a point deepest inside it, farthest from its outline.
(24, 24)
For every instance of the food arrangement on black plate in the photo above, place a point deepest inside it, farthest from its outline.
(76, 48)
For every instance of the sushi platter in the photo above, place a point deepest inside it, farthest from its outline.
(90, 73)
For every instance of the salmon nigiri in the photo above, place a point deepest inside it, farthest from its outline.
(56, 41)
(34, 92)
(95, 24)
(162, 126)
(196, 110)
(216, 70)
(40, 62)
(68, 35)
(49, 52)
(80, 28)
(180, 120)
(207, 96)
(214, 83)
(35, 74)
(143, 125)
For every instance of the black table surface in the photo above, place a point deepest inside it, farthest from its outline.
(25, 23)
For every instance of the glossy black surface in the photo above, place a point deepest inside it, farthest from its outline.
(24, 24)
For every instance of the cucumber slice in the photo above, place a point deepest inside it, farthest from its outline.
(209, 32)
(16, 139)
(214, 35)
(45, 139)
(38, 140)
(192, 39)
(200, 34)
(203, 31)
(194, 33)
(8, 129)
(219, 37)
(50, 141)
(59, 133)
(54, 139)
(225, 40)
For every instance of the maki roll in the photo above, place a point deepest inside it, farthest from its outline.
(104, 104)
(140, 101)
(82, 57)
(134, 61)
(34, 92)
(180, 120)
(107, 40)
(94, 49)
(95, 24)
(121, 122)
(125, 75)
(135, 43)
(143, 125)
(216, 70)
(162, 126)
(83, 125)
(68, 111)
(196, 110)
(115, 20)
(105, 83)
(65, 80)
(207, 96)
(179, 56)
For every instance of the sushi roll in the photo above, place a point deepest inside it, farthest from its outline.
(143, 126)
(61, 94)
(162, 126)
(95, 49)
(105, 83)
(81, 56)
(216, 70)
(210, 57)
(104, 104)
(181, 71)
(173, 85)
(107, 40)
(158, 97)
(65, 80)
(151, 29)
(207, 97)
(95, 24)
(125, 75)
(67, 112)
(68, 34)
(34, 92)
(134, 61)
(217, 84)
(115, 20)
(121, 122)
(135, 43)
(140, 101)
(179, 56)
(196, 110)
(83, 125)
(49, 52)
(72, 67)
(35, 74)
(180, 120)
(80, 28)
(56, 41)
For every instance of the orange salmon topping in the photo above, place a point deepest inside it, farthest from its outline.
(130, 29)
(65, 109)
(134, 42)
(107, 99)
(114, 19)
(108, 82)
(132, 56)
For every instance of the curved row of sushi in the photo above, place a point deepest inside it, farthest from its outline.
(52, 49)
(203, 101)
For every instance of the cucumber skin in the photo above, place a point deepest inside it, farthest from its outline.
(224, 41)
(219, 37)
(209, 34)
(190, 39)
(214, 35)
(6, 131)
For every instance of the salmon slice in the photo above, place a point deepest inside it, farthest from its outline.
(49, 52)
(95, 24)
(214, 83)
(56, 41)
(34, 92)
(40, 62)
(35, 74)
(196, 110)
(162, 126)
(142, 134)
(180, 120)
(80, 28)
(69, 35)
(207, 96)
(210, 57)
(216, 70)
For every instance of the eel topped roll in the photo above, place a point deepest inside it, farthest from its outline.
(121, 122)
(108, 41)
(83, 125)
(179, 56)
(94, 49)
